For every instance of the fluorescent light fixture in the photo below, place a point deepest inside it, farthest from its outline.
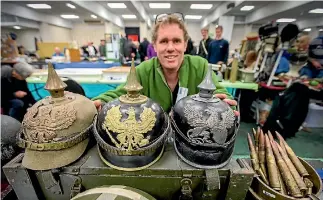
(16, 27)
(307, 29)
(193, 16)
(159, 5)
(117, 5)
(201, 6)
(94, 16)
(321, 29)
(286, 20)
(247, 8)
(70, 5)
(70, 16)
(154, 16)
(317, 10)
(129, 16)
(39, 6)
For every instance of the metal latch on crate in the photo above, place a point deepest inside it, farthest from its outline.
(212, 179)
(76, 187)
(186, 189)
(50, 182)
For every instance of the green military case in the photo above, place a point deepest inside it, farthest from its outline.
(169, 178)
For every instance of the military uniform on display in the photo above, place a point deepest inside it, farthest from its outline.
(132, 135)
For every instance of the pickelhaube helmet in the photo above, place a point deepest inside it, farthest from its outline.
(205, 127)
(113, 192)
(131, 130)
(9, 130)
(55, 130)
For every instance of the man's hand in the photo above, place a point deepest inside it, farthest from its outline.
(228, 101)
(20, 94)
(133, 55)
(220, 63)
(146, 58)
(316, 64)
(98, 104)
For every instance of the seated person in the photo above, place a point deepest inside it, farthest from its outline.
(58, 52)
(15, 95)
(314, 66)
(162, 76)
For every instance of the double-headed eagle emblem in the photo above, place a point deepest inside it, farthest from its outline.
(210, 127)
(130, 132)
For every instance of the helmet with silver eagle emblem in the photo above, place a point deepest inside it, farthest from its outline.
(205, 127)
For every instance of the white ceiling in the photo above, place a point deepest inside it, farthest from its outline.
(59, 8)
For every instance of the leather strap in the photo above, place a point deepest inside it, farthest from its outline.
(203, 45)
(52, 146)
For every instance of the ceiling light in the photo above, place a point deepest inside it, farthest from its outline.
(307, 29)
(193, 16)
(94, 16)
(70, 16)
(129, 16)
(286, 20)
(16, 27)
(321, 29)
(39, 6)
(159, 5)
(317, 10)
(117, 5)
(201, 6)
(70, 5)
(247, 8)
(154, 16)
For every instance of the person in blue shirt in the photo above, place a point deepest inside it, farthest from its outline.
(314, 67)
(219, 48)
(58, 52)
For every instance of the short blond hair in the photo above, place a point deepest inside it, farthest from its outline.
(171, 19)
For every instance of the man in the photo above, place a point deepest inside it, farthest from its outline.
(102, 49)
(162, 76)
(219, 48)
(204, 43)
(57, 52)
(15, 95)
(143, 50)
(314, 67)
(190, 49)
(91, 49)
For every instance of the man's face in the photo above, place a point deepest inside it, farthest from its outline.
(102, 42)
(170, 46)
(218, 32)
(205, 33)
(57, 51)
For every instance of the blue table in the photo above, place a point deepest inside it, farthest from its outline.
(84, 64)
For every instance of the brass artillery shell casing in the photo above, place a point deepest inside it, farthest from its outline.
(255, 161)
(271, 166)
(298, 165)
(271, 138)
(261, 153)
(288, 179)
(282, 184)
(309, 185)
(281, 141)
(294, 172)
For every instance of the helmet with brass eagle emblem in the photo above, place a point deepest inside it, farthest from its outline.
(131, 130)
(205, 127)
(55, 131)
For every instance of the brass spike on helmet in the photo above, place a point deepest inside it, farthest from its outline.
(54, 85)
(133, 88)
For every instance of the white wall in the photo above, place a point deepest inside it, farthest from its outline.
(51, 33)
(238, 33)
(25, 37)
(132, 23)
(194, 31)
(84, 32)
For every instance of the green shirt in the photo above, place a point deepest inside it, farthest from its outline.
(151, 77)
